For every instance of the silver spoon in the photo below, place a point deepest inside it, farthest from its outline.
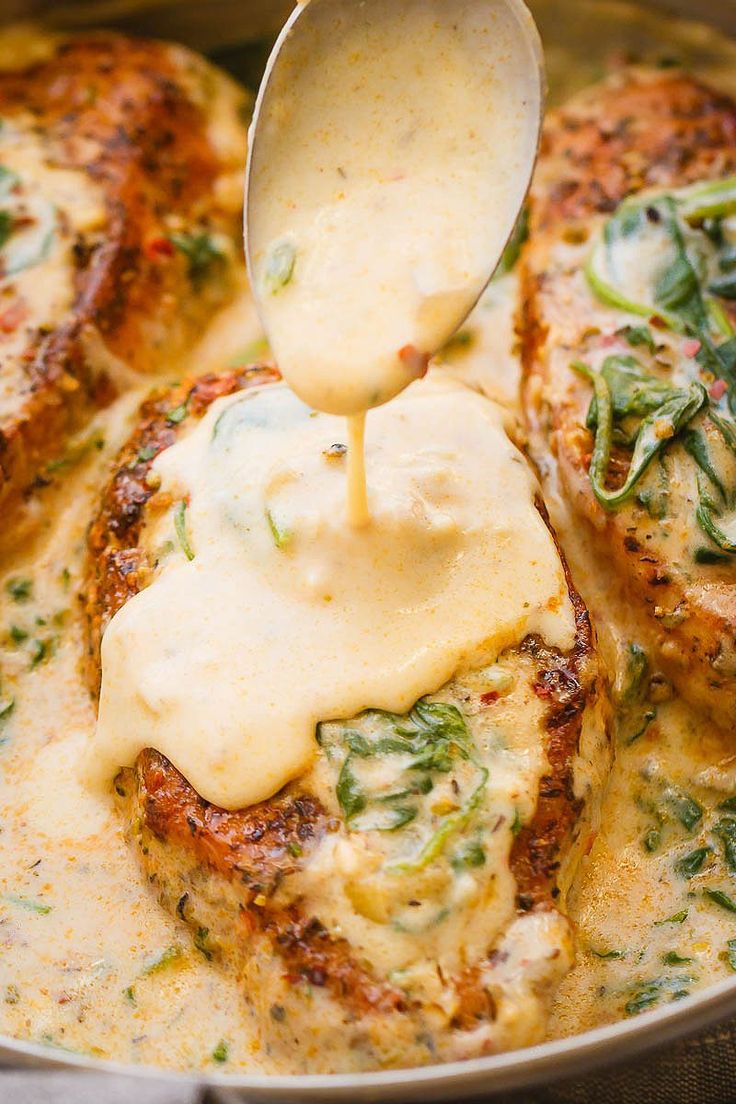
(391, 150)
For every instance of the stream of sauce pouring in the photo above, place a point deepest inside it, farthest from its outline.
(391, 157)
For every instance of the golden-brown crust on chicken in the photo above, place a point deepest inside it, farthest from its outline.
(125, 115)
(562, 682)
(639, 130)
(257, 848)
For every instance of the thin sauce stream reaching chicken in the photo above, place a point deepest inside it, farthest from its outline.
(381, 194)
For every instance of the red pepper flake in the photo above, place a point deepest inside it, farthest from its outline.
(416, 362)
(159, 249)
(610, 339)
(657, 322)
(718, 389)
(692, 347)
(13, 316)
(541, 690)
(489, 697)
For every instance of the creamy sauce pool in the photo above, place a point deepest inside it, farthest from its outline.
(131, 990)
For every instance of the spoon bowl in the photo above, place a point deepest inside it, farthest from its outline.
(391, 150)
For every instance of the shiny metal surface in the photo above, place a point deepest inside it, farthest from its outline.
(238, 34)
(496, 1076)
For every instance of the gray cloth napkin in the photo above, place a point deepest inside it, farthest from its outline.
(698, 1070)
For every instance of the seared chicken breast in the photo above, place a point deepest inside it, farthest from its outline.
(627, 326)
(352, 956)
(120, 201)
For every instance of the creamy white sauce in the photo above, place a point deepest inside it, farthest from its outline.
(280, 593)
(382, 193)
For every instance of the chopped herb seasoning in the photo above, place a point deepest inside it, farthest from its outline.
(511, 253)
(720, 898)
(201, 942)
(7, 705)
(710, 556)
(672, 958)
(180, 526)
(731, 954)
(648, 993)
(174, 417)
(470, 855)
(606, 955)
(149, 451)
(677, 918)
(281, 535)
(129, 995)
(351, 797)
(726, 830)
(20, 589)
(688, 811)
(280, 267)
(26, 903)
(40, 650)
(638, 335)
(666, 411)
(633, 714)
(6, 226)
(645, 720)
(691, 274)
(18, 635)
(458, 343)
(637, 669)
(27, 235)
(689, 865)
(202, 253)
(77, 451)
(256, 351)
(431, 744)
(163, 961)
(221, 1053)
